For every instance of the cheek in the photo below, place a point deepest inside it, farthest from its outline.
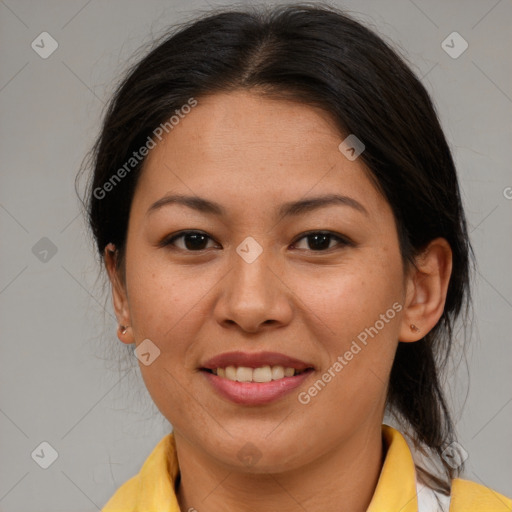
(169, 305)
(350, 298)
(165, 302)
(161, 295)
(358, 310)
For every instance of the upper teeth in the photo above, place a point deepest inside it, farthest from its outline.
(262, 374)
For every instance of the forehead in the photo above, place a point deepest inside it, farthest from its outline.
(239, 143)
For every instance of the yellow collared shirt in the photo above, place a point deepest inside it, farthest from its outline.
(152, 490)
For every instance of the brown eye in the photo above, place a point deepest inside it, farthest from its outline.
(192, 241)
(320, 241)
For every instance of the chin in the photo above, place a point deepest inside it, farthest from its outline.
(257, 454)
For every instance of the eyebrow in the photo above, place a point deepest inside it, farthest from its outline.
(292, 208)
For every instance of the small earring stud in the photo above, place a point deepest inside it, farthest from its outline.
(414, 328)
(123, 329)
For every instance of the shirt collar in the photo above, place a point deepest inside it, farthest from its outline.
(396, 487)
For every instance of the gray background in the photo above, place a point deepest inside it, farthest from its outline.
(59, 377)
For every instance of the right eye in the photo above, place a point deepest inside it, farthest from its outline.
(193, 241)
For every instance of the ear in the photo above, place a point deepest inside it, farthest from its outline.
(119, 296)
(426, 289)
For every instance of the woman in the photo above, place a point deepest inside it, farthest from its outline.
(279, 215)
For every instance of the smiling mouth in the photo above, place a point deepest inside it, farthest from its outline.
(260, 374)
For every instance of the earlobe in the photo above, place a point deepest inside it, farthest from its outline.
(124, 334)
(119, 297)
(427, 286)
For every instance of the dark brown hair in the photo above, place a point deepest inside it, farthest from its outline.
(316, 55)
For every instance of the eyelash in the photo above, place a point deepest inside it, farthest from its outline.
(343, 241)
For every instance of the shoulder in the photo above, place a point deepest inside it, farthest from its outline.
(467, 496)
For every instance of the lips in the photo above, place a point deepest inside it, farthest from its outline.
(255, 360)
(250, 383)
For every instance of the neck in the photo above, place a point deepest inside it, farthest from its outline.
(342, 480)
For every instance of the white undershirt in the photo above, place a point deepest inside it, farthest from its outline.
(430, 500)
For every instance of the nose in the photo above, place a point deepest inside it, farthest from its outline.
(254, 296)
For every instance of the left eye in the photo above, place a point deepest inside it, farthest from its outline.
(320, 241)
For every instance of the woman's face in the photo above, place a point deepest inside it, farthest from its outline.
(256, 283)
